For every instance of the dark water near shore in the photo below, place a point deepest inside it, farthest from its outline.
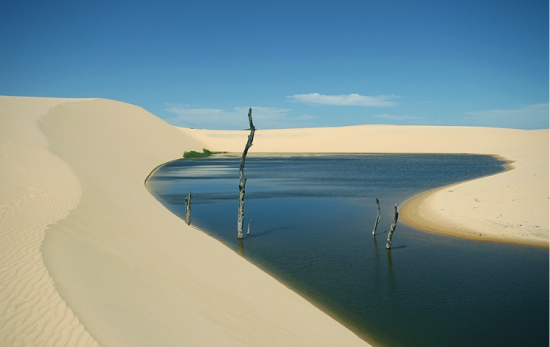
(312, 218)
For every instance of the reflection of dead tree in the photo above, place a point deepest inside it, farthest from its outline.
(242, 179)
(240, 250)
(392, 228)
(378, 216)
(187, 201)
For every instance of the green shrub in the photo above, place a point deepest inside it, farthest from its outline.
(193, 154)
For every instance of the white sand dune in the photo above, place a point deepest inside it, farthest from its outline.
(508, 207)
(36, 190)
(88, 257)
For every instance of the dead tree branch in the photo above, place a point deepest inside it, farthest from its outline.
(392, 228)
(378, 216)
(187, 201)
(242, 178)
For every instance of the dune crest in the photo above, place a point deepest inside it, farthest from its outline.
(132, 272)
(37, 190)
(88, 257)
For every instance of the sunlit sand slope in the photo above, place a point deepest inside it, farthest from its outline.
(37, 189)
(90, 257)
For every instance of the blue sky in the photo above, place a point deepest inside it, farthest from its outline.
(297, 63)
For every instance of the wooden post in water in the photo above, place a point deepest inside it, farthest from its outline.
(242, 178)
(392, 228)
(248, 229)
(187, 201)
(378, 216)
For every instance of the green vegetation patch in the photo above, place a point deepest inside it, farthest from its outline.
(194, 154)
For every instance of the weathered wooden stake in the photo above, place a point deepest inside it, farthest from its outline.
(187, 201)
(242, 178)
(378, 216)
(248, 229)
(392, 228)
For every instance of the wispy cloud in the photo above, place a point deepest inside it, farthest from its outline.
(317, 99)
(235, 118)
(527, 117)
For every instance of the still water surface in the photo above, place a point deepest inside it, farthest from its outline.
(312, 219)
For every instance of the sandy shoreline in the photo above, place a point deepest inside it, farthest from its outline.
(88, 257)
(415, 212)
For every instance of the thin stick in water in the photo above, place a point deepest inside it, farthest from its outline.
(187, 201)
(378, 216)
(392, 228)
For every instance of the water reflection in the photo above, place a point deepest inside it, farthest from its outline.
(376, 249)
(392, 282)
(240, 250)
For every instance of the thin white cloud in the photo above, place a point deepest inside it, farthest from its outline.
(317, 99)
(235, 118)
(527, 117)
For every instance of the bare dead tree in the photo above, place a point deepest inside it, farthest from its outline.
(392, 228)
(187, 201)
(242, 178)
(378, 216)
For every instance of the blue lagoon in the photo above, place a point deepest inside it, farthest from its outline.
(312, 219)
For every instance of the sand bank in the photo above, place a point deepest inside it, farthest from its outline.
(508, 207)
(89, 257)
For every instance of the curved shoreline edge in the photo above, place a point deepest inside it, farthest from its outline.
(410, 212)
(411, 208)
(417, 213)
(126, 271)
(132, 273)
(367, 339)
